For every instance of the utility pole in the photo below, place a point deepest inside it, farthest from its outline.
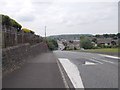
(45, 35)
(45, 31)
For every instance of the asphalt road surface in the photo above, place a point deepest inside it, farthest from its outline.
(89, 70)
(82, 70)
(39, 72)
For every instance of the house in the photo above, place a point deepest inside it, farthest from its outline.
(74, 44)
(107, 41)
(61, 46)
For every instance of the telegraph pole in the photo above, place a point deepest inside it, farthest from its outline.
(45, 35)
(45, 31)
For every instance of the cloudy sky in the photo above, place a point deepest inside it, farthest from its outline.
(64, 16)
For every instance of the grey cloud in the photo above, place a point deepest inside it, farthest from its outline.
(41, 3)
(26, 18)
(65, 17)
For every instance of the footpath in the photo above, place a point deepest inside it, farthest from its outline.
(39, 72)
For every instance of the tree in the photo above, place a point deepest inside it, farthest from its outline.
(15, 24)
(8, 22)
(52, 44)
(113, 43)
(118, 35)
(86, 43)
(97, 36)
(106, 35)
(112, 35)
(94, 40)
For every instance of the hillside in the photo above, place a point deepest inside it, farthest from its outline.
(69, 36)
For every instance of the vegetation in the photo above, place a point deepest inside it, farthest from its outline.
(8, 22)
(69, 36)
(114, 36)
(9, 35)
(85, 43)
(113, 50)
(118, 35)
(52, 44)
(0, 19)
(27, 30)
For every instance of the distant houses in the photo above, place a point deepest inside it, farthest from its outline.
(87, 41)
(100, 42)
(74, 45)
(107, 41)
(69, 45)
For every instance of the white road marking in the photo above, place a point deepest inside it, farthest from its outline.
(104, 60)
(89, 63)
(114, 57)
(108, 61)
(95, 61)
(72, 72)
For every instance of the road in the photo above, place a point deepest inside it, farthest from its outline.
(89, 70)
(39, 72)
(63, 69)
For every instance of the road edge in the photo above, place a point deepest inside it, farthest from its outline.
(68, 84)
(62, 74)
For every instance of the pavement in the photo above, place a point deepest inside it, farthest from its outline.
(39, 72)
(90, 70)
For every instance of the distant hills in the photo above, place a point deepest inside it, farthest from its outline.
(69, 36)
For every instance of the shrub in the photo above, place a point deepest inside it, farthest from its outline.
(8, 22)
(86, 43)
(27, 30)
(52, 44)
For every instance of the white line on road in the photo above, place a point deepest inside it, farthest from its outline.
(114, 57)
(104, 60)
(72, 72)
(95, 61)
(89, 63)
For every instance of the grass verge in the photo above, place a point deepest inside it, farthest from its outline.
(112, 50)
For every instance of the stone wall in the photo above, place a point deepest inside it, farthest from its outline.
(14, 57)
(12, 37)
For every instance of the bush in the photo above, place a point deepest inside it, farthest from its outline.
(86, 43)
(52, 44)
(27, 30)
(8, 22)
